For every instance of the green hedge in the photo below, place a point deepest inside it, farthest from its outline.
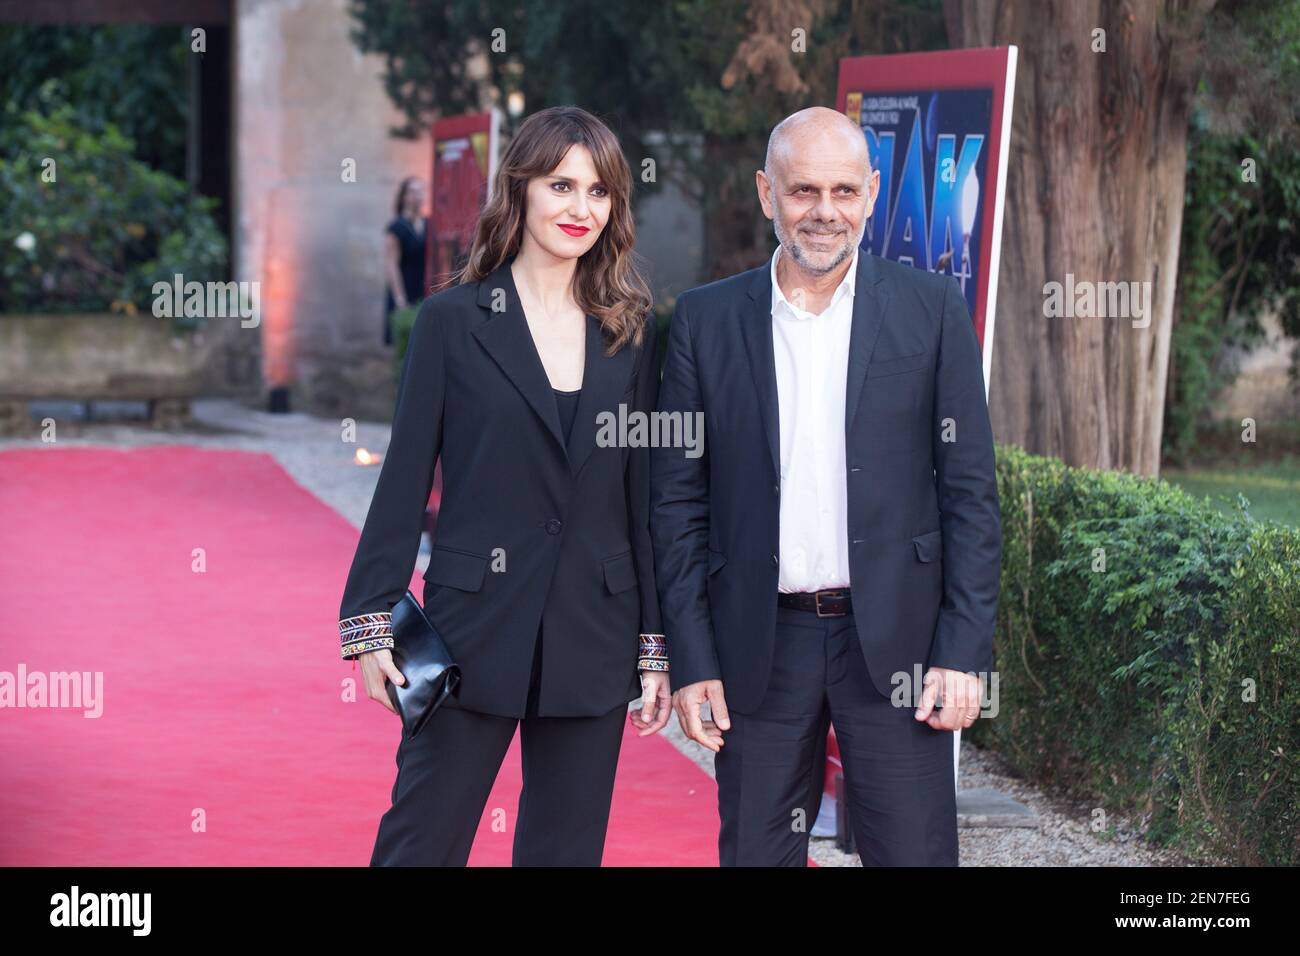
(403, 321)
(1164, 682)
(104, 229)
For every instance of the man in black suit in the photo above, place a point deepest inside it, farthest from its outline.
(833, 556)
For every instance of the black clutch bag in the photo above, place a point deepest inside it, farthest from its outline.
(422, 656)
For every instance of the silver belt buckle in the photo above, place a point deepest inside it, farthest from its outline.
(817, 599)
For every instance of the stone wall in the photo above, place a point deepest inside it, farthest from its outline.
(305, 101)
(1261, 390)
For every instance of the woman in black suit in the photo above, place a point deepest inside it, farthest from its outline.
(541, 577)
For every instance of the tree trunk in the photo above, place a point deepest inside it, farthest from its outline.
(1094, 191)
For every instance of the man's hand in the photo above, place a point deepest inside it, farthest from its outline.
(687, 702)
(375, 667)
(960, 694)
(656, 703)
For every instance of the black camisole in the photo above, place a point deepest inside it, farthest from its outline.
(568, 405)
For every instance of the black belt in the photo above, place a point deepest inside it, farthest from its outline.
(832, 602)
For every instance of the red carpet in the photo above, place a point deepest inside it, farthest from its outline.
(224, 737)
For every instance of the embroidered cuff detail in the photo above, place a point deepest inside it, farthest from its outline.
(366, 632)
(654, 653)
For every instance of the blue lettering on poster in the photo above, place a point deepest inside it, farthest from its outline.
(930, 151)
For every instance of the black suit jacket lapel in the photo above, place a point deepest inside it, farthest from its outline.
(507, 339)
(603, 380)
(756, 327)
(870, 298)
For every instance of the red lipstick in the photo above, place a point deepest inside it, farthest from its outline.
(573, 230)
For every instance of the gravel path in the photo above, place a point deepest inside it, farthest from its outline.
(312, 450)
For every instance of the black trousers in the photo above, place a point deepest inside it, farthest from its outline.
(444, 777)
(898, 771)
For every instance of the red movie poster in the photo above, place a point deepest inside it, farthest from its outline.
(464, 161)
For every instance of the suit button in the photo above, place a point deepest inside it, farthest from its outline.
(774, 561)
(776, 490)
(553, 526)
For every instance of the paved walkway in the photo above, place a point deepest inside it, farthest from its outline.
(313, 452)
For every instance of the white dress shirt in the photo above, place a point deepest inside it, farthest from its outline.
(812, 363)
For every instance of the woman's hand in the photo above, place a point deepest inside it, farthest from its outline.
(377, 666)
(656, 703)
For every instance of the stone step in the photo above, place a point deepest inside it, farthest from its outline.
(986, 807)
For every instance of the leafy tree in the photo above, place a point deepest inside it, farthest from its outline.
(1240, 248)
(103, 229)
(130, 75)
(1107, 97)
(107, 106)
(1109, 155)
(711, 77)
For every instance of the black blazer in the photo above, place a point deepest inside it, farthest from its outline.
(924, 525)
(530, 530)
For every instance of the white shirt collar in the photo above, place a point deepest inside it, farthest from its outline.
(846, 287)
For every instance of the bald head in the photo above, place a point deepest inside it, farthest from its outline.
(812, 131)
(817, 187)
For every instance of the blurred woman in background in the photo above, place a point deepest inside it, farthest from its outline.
(404, 243)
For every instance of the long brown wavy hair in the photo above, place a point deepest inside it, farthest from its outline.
(606, 283)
